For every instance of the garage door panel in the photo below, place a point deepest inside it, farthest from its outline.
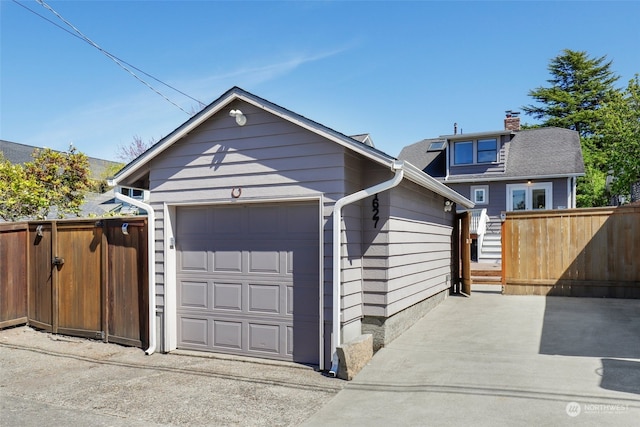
(262, 270)
(264, 338)
(289, 345)
(264, 298)
(227, 296)
(193, 257)
(225, 220)
(264, 261)
(193, 294)
(194, 331)
(193, 221)
(302, 259)
(227, 334)
(227, 261)
(302, 220)
(263, 219)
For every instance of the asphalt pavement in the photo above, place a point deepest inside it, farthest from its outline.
(54, 380)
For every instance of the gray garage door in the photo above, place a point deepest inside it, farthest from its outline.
(248, 280)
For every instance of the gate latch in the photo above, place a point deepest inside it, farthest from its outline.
(57, 261)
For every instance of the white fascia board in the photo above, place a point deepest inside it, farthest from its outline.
(475, 135)
(507, 178)
(419, 177)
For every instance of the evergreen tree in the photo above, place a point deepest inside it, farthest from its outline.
(579, 88)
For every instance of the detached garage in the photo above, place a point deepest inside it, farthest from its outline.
(277, 237)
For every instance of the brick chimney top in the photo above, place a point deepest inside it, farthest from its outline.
(512, 120)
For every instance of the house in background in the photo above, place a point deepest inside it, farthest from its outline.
(280, 238)
(501, 171)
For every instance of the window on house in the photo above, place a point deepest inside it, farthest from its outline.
(134, 193)
(463, 152)
(529, 196)
(480, 194)
(487, 150)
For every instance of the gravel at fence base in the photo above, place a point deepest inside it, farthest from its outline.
(53, 380)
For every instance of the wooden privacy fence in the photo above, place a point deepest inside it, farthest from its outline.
(77, 277)
(576, 252)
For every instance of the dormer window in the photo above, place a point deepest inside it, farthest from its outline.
(475, 151)
(463, 152)
(487, 150)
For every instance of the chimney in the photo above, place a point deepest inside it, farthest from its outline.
(512, 121)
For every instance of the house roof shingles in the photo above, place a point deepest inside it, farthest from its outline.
(17, 153)
(540, 152)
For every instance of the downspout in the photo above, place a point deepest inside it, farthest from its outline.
(151, 221)
(397, 167)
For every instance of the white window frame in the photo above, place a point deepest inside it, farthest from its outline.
(484, 189)
(547, 186)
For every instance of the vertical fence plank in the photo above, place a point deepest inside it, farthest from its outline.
(13, 274)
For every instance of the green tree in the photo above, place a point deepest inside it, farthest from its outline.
(579, 88)
(21, 195)
(52, 180)
(621, 137)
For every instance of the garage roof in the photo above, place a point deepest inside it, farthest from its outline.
(411, 172)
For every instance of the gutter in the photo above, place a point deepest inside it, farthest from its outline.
(151, 258)
(398, 168)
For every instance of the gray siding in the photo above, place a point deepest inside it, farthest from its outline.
(498, 193)
(409, 259)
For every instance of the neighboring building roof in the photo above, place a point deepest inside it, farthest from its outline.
(420, 156)
(17, 153)
(365, 138)
(531, 153)
(137, 168)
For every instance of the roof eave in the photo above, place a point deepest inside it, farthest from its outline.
(427, 181)
(511, 178)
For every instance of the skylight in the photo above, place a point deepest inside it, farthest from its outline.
(437, 145)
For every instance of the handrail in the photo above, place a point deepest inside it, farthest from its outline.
(478, 221)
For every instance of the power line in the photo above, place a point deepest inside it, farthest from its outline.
(121, 63)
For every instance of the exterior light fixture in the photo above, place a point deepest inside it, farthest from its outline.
(241, 119)
(447, 205)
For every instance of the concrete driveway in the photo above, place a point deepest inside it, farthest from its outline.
(502, 360)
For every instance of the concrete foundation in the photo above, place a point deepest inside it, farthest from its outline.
(384, 330)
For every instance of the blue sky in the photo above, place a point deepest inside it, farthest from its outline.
(401, 71)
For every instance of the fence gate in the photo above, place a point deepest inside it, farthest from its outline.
(462, 253)
(66, 286)
(81, 277)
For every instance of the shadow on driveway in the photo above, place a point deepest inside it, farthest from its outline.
(596, 327)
